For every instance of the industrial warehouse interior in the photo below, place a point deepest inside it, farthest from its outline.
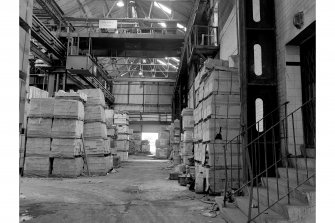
(157, 111)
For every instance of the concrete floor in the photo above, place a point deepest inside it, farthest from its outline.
(139, 192)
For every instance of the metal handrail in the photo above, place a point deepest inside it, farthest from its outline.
(255, 143)
(236, 139)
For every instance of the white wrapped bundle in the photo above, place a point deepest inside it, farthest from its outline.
(145, 148)
(109, 113)
(41, 107)
(68, 109)
(94, 113)
(163, 143)
(94, 96)
(122, 145)
(222, 106)
(68, 167)
(211, 127)
(215, 153)
(97, 147)
(98, 165)
(36, 167)
(95, 130)
(79, 96)
(222, 81)
(188, 136)
(123, 155)
(187, 149)
(162, 153)
(121, 119)
(176, 124)
(111, 131)
(188, 122)
(66, 148)
(123, 129)
(109, 160)
(39, 127)
(164, 135)
(38, 147)
(186, 159)
(122, 137)
(67, 128)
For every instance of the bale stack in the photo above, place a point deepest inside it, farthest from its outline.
(188, 128)
(95, 133)
(38, 142)
(137, 136)
(131, 142)
(121, 120)
(217, 112)
(163, 143)
(145, 146)
(67, 130)
(111, 135)
(175, 145)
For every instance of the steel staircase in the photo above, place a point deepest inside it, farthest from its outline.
(280, 191)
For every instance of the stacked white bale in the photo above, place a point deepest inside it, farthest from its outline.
(163, 143)
(67, 130)
(37, 162)
(137, 136)
(217, 112)
(121, 121)
(111, 130)
(145, 146)
(187, 152)
(97, 145)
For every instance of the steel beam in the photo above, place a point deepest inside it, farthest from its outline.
(144, 80)
(38, 53)
(122, 35)
(76, 19)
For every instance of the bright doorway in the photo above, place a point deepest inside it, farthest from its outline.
(151, 137)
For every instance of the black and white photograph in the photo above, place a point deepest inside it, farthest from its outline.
(167, 111)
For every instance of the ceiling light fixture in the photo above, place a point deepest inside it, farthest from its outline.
(120, 3)
(163, 7)
(180, 26)
(163, 24)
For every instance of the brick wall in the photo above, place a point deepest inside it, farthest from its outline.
(289, 77)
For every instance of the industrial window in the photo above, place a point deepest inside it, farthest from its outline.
(256, 13)
(258, 59)
(259, 114)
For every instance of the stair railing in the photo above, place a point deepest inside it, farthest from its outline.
(260, 171)
(235, 144)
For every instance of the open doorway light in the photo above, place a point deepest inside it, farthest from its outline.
(151, 137)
